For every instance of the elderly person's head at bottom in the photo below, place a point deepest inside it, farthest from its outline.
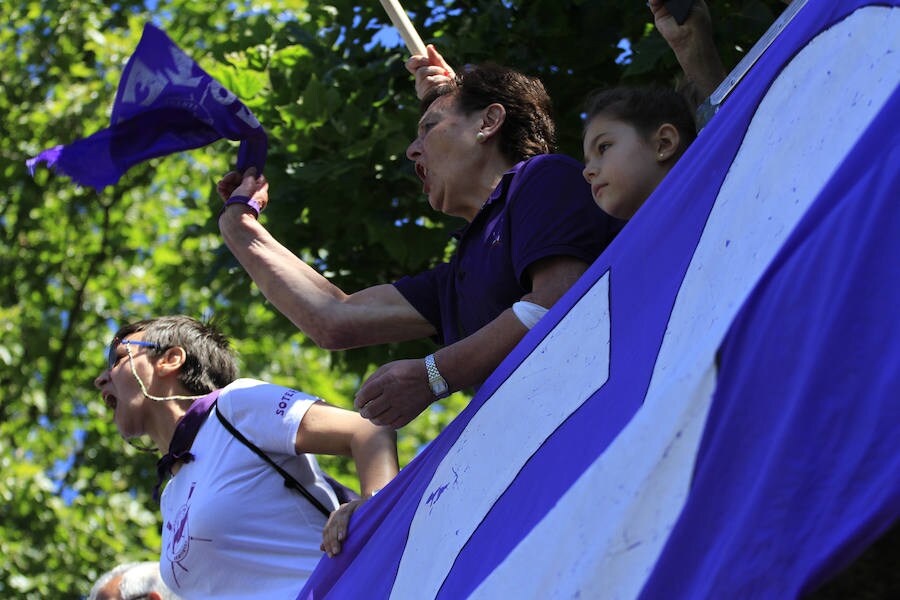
(132, 581)
(475, 129)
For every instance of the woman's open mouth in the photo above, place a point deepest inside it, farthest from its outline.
(110, 401)
(422, 173)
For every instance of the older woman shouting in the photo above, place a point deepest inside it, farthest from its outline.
(482, 153)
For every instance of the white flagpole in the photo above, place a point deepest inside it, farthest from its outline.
(399, 19)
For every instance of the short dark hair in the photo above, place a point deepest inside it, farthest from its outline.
(210, 362)
(645, 109)
(529, 128)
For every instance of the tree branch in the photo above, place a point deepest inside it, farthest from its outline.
(52, 382)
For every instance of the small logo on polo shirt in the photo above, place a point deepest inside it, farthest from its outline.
(179, 542)
(284, 401)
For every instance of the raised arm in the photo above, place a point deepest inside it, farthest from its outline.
(327, 429)
(331, 318)
(399, 391)
(694, 48)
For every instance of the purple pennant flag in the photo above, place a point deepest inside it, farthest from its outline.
(165, 103)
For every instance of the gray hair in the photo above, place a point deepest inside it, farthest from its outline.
(138, 578)
(210, 364)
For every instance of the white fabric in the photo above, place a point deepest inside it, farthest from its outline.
(231, 529)
(556, 378)
(528, 313)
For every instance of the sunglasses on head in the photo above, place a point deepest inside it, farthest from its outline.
(112, 357)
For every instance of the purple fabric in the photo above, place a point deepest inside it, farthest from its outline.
(799, 467)
(799, 470)
(542, 207)
(183, 438)
(165, 103)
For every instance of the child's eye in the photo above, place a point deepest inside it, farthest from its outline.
(602, 148)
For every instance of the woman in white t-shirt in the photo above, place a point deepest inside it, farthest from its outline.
(231, 528)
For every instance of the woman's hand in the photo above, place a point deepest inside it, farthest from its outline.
(693, 45)
(695, 31)
(395, 394)
(226, 186)
(336, 528)
(430, 71)
(246, 184)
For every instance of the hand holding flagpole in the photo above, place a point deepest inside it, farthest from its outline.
(399, 19)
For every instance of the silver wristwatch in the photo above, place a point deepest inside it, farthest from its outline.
(438, 384)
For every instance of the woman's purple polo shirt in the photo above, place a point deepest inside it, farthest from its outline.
(542, 207)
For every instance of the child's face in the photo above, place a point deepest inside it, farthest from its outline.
(621, 165)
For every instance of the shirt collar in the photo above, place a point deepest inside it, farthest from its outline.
(498, 194)
(183, 438)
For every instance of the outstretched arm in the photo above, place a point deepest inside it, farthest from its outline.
(327, 429)
(694, 48)
(331, 318)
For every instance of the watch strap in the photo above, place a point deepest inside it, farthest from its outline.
(436, 381)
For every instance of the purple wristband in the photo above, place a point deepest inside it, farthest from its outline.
(250, 202)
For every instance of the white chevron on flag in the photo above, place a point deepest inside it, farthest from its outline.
(552, 382)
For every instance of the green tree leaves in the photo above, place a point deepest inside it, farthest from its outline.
(340, 111)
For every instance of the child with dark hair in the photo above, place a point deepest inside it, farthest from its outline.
(633, 136)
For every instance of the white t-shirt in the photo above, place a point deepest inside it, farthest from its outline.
(231, 529)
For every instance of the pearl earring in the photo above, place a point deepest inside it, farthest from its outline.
(480, 137)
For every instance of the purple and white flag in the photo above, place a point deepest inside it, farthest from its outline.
(713, 410)
(165, 103)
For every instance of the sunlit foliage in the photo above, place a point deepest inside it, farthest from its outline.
(340, 110)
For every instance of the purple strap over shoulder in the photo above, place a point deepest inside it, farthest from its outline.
(165, 103)
(183, 438)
